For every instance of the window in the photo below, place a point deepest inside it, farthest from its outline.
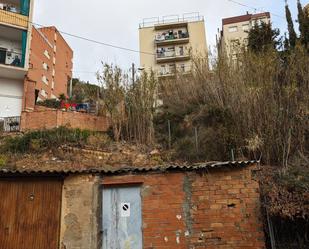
(46, 54)
(53, 84)
(44, 93)
(44, 79)
(182, 68)
(235, 44)
(245, 27)
(54, 60)
(233, 29)
(45, 66)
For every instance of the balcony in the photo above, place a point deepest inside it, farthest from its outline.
(15, 12)
(172, 56)
(12, 52)
(172, 37)
(173, 70)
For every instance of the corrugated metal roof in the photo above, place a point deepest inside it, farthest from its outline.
(128, 169)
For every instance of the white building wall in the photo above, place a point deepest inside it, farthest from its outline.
(11, 95)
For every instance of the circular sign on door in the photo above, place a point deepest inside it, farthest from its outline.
(125, 209)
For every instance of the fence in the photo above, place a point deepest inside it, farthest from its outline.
(10, 124)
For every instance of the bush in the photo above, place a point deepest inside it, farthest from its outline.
(45, 139)
(50, 103)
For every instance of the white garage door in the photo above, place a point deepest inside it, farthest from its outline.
(11, 95)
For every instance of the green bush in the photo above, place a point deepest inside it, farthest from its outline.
(3, 160)
(50, 103)
(45, 139)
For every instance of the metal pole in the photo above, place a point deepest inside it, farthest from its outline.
(271, 231)
(232, 154)
(133, 73)
(71, 87)
(196, 139)
(169, 134)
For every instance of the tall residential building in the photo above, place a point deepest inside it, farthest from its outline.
(307, 9)
(234, 32)
(15, 35)
(168, 43)
(51, 63)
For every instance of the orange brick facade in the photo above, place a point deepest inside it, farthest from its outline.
(50, 65)
(51, 118)
(218, 209)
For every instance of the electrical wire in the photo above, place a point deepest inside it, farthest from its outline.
(84, 38)
(254, 8)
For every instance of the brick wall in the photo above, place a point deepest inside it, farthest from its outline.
(52, 118)
(219, 209)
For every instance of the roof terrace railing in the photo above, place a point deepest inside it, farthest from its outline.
(187, 17)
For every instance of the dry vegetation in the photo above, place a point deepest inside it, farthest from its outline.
(257, 107)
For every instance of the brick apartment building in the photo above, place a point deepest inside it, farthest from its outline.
(50, 66)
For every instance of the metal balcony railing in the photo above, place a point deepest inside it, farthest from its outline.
(10, 124)
(172, 71)
(187, 17)
(171, 54)
(10, 58)
(170, 36)
(19, 7)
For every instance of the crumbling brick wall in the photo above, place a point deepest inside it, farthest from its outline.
(218, 209)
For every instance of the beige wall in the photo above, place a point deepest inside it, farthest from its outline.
(146, 43)
(240, 35)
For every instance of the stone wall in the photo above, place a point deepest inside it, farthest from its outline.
(218, 209)
(80, 216)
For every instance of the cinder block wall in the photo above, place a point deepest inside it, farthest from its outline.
(218, 209)
(80, 215)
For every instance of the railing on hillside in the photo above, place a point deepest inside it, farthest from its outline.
(10, 124)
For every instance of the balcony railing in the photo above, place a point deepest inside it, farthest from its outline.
(14, 18)
(172, 71)
(166, 37)
(10, 124)
(20, 7)
(10, 58)
(187, 17)
(170, 56)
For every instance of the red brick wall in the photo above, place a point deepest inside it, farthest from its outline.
(48, 119)
(219, 209)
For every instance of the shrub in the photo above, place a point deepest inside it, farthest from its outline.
(45, 139)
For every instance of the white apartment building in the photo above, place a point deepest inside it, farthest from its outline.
(15, 34)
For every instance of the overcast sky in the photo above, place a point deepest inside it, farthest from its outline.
(117, 21)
